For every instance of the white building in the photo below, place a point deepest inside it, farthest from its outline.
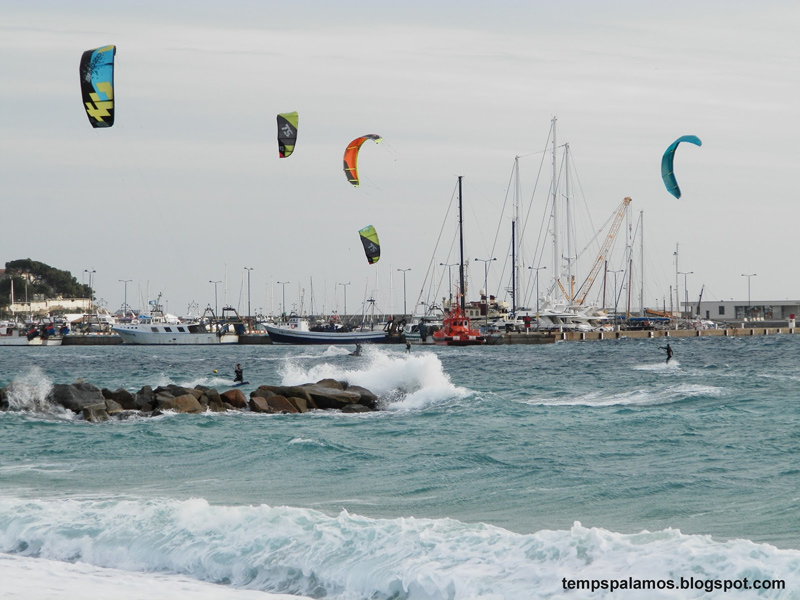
(42, 307)
(742, 310)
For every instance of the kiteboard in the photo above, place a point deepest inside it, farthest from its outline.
(240, 384)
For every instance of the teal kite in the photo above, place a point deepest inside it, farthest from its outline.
(667, 171)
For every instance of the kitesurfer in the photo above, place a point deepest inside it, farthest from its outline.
(357, 351)
(668, 348)
(238, 374)
(408, 347)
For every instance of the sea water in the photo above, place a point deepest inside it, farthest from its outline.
(498, 472)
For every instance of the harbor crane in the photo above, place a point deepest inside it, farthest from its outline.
(586, 286)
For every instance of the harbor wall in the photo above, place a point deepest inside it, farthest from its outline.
(536, 337)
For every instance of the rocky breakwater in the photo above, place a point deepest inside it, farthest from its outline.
(98, 405)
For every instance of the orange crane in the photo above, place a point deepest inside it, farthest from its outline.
(583, 291)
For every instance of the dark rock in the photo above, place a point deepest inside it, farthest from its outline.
(281, 404)
(95, 413)
(76, 396)
(300, 404)
(235, 398)
(112, 406)
(331, 383)
(259, 405)
(355, 408)
(121, 396)
(328, 398)
(262, 392)
(367, 398)
(212, 396)
(186, 403)
(145, 399)
(3, 398)
(287, 391)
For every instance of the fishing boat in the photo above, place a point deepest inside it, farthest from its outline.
(159, 328)
(457, 328)
(297, 331)
(45, 333)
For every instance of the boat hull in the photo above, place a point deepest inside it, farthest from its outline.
(281, 335)
(463, 340)
(161, 338)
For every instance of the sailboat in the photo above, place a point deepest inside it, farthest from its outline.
(456, 327)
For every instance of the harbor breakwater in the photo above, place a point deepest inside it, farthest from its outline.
(97, 405)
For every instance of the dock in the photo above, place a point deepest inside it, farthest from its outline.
(550, 337)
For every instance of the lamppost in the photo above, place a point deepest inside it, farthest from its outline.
(537, 269)
(248, 269)
(125, 282)
(283, 302)
(216, 305)
(685, 289)
(91, 289)
(404, 290)
(344, 285)
(615, 291)
(449, 277)
(486, 262)
(749, 308)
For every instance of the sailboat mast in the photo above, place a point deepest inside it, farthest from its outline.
(513, 271)
(516, 241)
(462, 292)
(554, 213)
(568, 222)
(641, 260)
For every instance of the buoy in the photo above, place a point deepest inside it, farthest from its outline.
(215, 370)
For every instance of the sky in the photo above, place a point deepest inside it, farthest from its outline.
(187, 187)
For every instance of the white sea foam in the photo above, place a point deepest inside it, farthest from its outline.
(42, 579)
(662, 367)
(401, 381)
(637, 397)
(29, 391)
(347, 557)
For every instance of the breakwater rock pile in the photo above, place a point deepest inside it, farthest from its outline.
(98, 405)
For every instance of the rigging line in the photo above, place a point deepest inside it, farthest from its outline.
(532, 153)
(535, 187)
(583, 195)
(530, 209)
(502, 211)
(474, 214)
(436, 247)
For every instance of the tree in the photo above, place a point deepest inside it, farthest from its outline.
(40, 278)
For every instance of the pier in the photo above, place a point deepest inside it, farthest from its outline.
(550, 337)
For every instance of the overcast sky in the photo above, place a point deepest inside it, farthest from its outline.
(187, 187)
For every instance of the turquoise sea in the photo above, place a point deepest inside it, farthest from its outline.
(498, 472)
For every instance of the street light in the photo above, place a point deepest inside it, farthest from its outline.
(404, 289)
(125, 282)
(344, 285)
(248, 269)
(91, 289)
(283, 303)
(749, 308)
(486, 262)
(537, 269)
(449, 277)
(216, 305)
(685, 289)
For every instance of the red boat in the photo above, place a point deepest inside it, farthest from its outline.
(456, 331)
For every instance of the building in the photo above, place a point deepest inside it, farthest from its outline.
(55, 305)
(742, 310)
